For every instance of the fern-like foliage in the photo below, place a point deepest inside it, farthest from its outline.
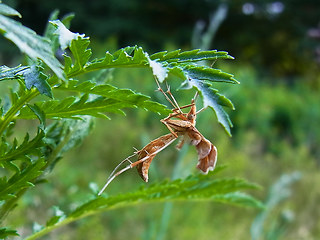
(6, 232)
(35, 46)
(32, 75)
(25, 163)
(192, 188)
(110, 99)
(182, 64)
(20, 180)
(22, 151)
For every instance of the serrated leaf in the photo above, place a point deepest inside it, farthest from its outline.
(34, 77)
(111, 92)
(190, 56)
(205, 73)
(20, 180)
(26, 147)
(39, 113)
(7, 73)
(35, 46)
(8, 11)
(7, 232)
(50, 29)
(239, 198)
(72, 107)
(158, 70)
(64, 34)
(192, 188)
(80, 53)
(78, 130)
(213, 100)
(125, 57)
(9, 165)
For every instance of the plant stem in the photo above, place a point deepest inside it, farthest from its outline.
(9, 205)
(167, 209)
(8, 117)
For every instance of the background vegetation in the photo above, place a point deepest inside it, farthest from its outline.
(276, 123)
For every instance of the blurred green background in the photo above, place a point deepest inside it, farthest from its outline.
(276, 122)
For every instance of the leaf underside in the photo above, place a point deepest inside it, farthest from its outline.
(35, 46)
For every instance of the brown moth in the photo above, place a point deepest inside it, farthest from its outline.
(183, 126)
(180, 125)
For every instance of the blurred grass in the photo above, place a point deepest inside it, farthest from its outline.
(275, 132)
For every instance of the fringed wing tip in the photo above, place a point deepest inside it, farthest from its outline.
(208, 163)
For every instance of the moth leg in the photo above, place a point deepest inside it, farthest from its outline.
(163, 92)
(176, 105)
(170, 129)
(180, 144)
(204, 108)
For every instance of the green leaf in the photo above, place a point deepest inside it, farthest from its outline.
(208, 74)
(239, 198)
(58, 216)
(39, 113)
(35, 46)
(20, 180)
(71, 107)
(181, 64)
(8, 11)
(63, 135)
(23, 150)
(80, 55)
(190, 56)
(214, 100)
(196, 188)
(65, 36)
(158, 70)
(34, 77)
(110, 92)
(15, 73)
(6, 232)
(125, 57)
(192, 188)
(51, 30)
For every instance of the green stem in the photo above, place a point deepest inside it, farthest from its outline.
(167, 209)
(71, 219)
(68, 220)
(8, 117)
(9, 205)
(55, 153)
(46, 230)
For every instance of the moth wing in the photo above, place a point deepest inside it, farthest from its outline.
(204, 148)
(150, 151)
(208, 163)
